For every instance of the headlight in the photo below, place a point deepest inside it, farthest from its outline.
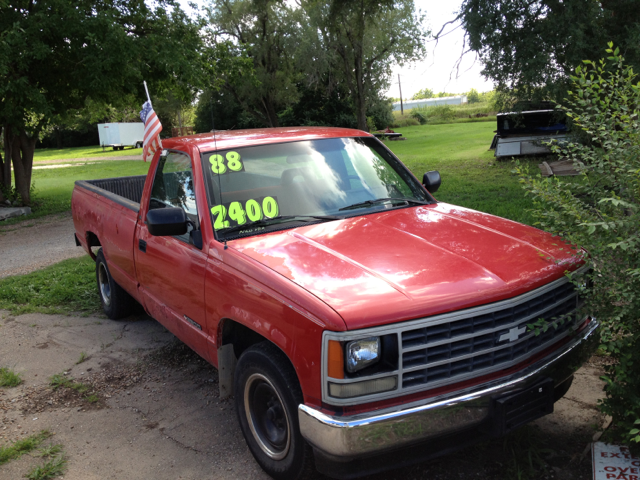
(362, 353)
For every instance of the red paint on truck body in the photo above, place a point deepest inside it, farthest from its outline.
(290, 286)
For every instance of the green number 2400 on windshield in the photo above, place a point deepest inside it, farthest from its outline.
(234, 213)
(231, 162)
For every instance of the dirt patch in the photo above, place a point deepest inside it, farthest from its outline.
(86, 393)
(159, 415)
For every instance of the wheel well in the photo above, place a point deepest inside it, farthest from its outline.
(239, 336)
(92, 241)
(234, 339)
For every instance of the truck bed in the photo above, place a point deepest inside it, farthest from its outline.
(105, 213)
(125, 191)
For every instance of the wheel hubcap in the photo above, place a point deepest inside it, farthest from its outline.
(267, 416)
(103, 281)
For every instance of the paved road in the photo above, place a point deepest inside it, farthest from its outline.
(34, 244)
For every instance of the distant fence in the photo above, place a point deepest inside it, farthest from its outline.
(431, 102)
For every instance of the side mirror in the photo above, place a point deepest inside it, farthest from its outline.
(167, 221)
(431, 181)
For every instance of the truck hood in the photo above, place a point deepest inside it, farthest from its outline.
(413, 262)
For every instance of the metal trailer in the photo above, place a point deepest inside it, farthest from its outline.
(431, 102)
(526, 133)
(120, 135)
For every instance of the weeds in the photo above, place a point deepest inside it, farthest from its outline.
(8, 378)
(83, 357)
(58, 381)
(52, 468)
(524, 450)
(61, 381)
(20, 447)
(49, 451)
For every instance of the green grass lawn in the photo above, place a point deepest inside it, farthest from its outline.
(53, 187)
(471, 176)
(49, 154)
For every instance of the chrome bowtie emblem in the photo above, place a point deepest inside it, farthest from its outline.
(513, 334)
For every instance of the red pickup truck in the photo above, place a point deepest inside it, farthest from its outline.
(356, 320)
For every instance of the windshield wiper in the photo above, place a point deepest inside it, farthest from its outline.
(278, 219)
(368, 203)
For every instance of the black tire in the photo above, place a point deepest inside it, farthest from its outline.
(267, 395)
(116, 302)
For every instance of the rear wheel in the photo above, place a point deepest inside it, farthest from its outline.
(267, 395)
(116, 302)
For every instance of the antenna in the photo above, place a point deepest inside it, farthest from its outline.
(147, 90)
(215, 146)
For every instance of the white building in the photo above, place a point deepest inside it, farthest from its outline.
(431, 102)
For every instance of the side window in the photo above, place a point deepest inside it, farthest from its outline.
(173, 187)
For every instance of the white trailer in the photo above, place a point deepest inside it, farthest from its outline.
(431, 102)
(120, 135)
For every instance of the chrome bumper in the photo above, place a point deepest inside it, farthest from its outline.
(350, 437)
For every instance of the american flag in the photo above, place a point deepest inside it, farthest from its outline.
(152, 129)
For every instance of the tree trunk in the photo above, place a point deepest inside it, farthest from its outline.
(270, 112)
(361, 102)
(21, 150)
(5, 165)
(58, 137)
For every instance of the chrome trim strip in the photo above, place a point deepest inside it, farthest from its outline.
(399, 328)
(488, 350)
(345, 436)
(486, 332)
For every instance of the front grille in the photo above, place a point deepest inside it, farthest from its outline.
(465, 344)
(449, 350)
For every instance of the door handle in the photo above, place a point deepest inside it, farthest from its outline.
(142, 245)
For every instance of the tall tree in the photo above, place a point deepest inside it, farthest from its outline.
(54, 54)
(268, 31)
(364, 39)
(531, 47)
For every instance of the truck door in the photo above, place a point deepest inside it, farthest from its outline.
(171, 270)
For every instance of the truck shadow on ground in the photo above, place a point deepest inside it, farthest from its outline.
(134, 402)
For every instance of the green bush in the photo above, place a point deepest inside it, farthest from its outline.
(473, 96)
(404, 121)
(440, 112)
(600, 211)
(371, 124)
(419, 115)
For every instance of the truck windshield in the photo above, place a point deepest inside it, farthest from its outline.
(280, 185)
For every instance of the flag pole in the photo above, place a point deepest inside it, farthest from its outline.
(147, 90)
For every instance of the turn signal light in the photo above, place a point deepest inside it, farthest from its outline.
(335, 360)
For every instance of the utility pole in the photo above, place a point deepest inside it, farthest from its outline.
(401, 106)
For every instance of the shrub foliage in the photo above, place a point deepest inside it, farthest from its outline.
(600, 211)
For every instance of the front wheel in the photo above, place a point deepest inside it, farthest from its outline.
(267, 395)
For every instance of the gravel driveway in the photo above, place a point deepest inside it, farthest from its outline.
(34, 244)
(159, 416)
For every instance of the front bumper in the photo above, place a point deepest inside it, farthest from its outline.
(344, 438)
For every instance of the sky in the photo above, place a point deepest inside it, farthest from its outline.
(437, 71)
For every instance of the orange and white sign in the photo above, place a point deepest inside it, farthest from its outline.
(614, 462)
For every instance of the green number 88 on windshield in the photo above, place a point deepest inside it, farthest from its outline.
(231, 162)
